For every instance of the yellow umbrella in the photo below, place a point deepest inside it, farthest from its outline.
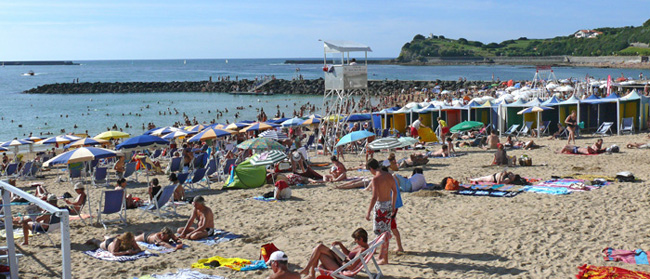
(259, 126)
(112, 135)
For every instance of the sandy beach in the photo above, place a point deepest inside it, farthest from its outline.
(445, 235)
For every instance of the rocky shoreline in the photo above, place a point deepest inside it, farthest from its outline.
(278, 86)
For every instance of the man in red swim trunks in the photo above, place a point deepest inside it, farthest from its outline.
(415, 126)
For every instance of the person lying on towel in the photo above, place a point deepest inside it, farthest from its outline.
(120, 245)
(594, 149)
(204, 221)
(165, 238)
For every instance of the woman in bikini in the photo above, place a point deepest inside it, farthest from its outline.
(337, 173)
(504, 177)
(330, 260)
(121, 245)
(571, 124)
(165, 238)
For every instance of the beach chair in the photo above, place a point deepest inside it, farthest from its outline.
(156, 154)
(604, 129)
(100, 176)
(53, 226)
(364, 258)
(226, 168)
(212, 167)
(175, 164)
(310, 143)
(512, 131)
(129, 172)
(26, 171)
(627, 126)
(543, 130)
(526, 129)
(182, 177)
(112, 202)
(197, 177)
(81, 209)
(198, 162)
(160, 202)
(74, 174)
(11, 170)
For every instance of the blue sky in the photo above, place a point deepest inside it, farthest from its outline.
(116, 29)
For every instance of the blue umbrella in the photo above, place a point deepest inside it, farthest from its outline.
(292, 122)
(15, 143)
(356, 118)
(354, 136)
(81, 155)
(278, 120)
(141, 141)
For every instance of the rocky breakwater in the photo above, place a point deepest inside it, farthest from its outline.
(278, 86)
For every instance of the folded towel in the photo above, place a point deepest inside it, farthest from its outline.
(260, 198)
(108, 256)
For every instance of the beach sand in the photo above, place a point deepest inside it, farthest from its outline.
(444, 235)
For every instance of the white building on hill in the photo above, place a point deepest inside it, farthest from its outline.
(587, 34)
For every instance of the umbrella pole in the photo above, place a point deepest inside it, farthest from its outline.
(539, 131)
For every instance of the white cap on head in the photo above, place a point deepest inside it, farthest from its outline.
(277, 256)
(78, 185)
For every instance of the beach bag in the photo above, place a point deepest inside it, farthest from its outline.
(524, 160)
(267, 250)
(625, 176)
(452, 184)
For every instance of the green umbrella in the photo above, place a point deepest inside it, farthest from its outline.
(268, 158)
(466, 126)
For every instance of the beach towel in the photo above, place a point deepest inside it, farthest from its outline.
(18, 233)
(102, 254)
(319, 164)
(570, 184)
(156, 248)
(219, 236)
(184, 273)
(487, 193)
(607, 272)
(637, 256)
(591, 177)
(255, 265)
(547, 190)
(261, 198)
(216, 261)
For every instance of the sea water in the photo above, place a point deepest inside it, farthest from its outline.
(41, 113)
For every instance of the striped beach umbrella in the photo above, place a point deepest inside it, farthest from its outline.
(385, 143)
(273, 134)
(268, 158)
(293, 122)
(164, 131)
(406, 141)
(261, 144)
(310, 121)
(111, 135)
(80, 155)
(15, 143)
(210, 133)
(173, 135)
(259, 126)
(237, 126)
(34, 139)
(194, 129)
(86, 141)
(57, 140)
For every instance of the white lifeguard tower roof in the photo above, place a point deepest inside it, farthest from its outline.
(333, 46)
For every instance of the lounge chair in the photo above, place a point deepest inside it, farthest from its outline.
(160, 201)
(604, 129)
(100, 176)
(543, 130)
(112, 202)
(310, 143)
(197, 177)
(52, 227)
(199, 161)
(512, 131)
(73, 211)
(74, 174)
(156, 154)
(11, 170)
(27, 170)
(182, 178)
(175, 164)
(364, 258)
(526, 129)
(129, 172)
(627, 126)
(212, 167)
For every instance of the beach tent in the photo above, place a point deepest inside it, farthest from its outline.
(488, 113)
(399, 120)
(511, 115)
(387, 116)
(599, 110)
(246, 176)
(631, 105)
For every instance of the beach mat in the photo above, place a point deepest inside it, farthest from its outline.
(637, 256)
(571, 184)
(487, 193)
(184, 273)
(219, 236)
(104, 255)
(547, 190)
(156, 248)
(607, 272)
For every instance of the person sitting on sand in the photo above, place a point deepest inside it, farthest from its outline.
(120, 245)
(492, 140)
(204, 221)
(392, 162)
(75, 206)
(638, 145)
(500, 156)
(292, 179)
(330, 260)
(450, 146)
(338, 171)
(165, 238)
(504, 177)
(40, 224)
(279, 263)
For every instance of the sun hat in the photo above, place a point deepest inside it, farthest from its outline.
(277, 256)
(78, 185)
(296, 155)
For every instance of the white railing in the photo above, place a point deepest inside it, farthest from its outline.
(63, 214)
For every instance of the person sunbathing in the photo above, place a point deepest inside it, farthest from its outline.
(596, 148)
(120, 245)
(338, 171)
(477, 142)
(416, 159)
(638, 145)
(165, 238)
(442, 152)
(504, 177)
(355, 184)
(330, 260)
(204, 221)
(40, 224)
(392, 162)
(75, 206)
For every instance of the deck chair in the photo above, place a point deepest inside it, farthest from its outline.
(26, 171)
(100, 176)
(129, 172)
(212, 167)
(512, 131)
(198, 162)
(543, 130)
(182, 177)
(604, 129)
(310, 143)
(526, 129)
(112, 202)
(74, 174)
(197, 177)
(627, 125)
(11, 170)
(53, 226)
(73, 211)
(364, 258)
(175, 164)
(226, 167)
(160, 201)
(156, 154)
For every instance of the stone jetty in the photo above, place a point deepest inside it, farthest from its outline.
(278, 86)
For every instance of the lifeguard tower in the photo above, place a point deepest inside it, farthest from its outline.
(344, 77)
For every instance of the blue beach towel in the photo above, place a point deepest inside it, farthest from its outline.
(547, 190)
(219, 236)
(104, 255)
(487, 193)
(260, 198)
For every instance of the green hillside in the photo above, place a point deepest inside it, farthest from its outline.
(612, 41)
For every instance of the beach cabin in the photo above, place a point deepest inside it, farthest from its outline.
(429, 116)
(551, 115)
(511, 116)
(594, 111)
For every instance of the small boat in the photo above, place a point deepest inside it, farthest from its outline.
(30, 73)
(226, 61)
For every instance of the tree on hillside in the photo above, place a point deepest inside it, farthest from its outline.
(418, 37)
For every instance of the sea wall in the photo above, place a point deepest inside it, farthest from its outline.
(278, 86)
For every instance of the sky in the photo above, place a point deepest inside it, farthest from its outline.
(137, 29)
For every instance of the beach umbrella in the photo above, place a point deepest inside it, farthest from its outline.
(406, 141)
(210, 133)
(356, 118)
(141, 141)
(2, 149)
(384, 143)
(354, 136)
(310, 121)
(164, 131)
(111, 135)
(466, 126)
(268, 158)
(333, 117)
(86, 141)
(273, 134)
(261, 144)
(15, 144)
(533, 109)
(293, 122)
(34, 139)
(259, 126)
(57, 140)
(278, 120)
(194, 129)
(173, 135)
(237, 126)
(81, 155)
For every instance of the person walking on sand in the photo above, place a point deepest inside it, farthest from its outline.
(384, 196)
(204, 218)
(571, 125)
